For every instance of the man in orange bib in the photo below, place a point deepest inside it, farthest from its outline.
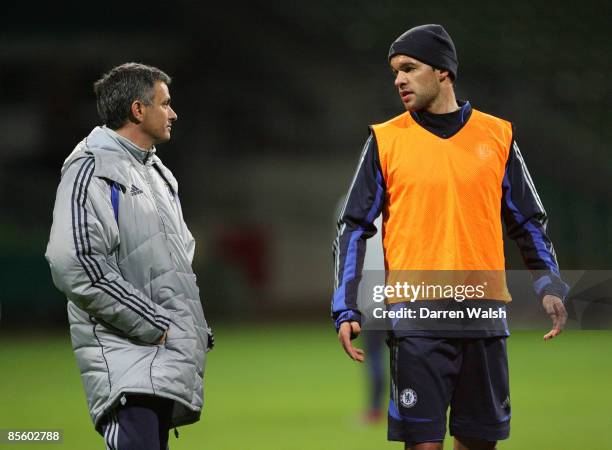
(443, 175)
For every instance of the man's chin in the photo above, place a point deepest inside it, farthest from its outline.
(413, 107)
(410, 106)
(163, 139)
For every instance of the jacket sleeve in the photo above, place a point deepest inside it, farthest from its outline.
(362, 205)
(526, 223)
(80, 253)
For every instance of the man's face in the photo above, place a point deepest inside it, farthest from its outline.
(417, 82)
(159, 116)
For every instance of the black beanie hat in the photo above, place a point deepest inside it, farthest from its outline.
(430, 44)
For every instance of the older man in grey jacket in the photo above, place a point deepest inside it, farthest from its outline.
(120, 251)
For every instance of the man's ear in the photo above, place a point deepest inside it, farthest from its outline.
(137, 110)
(443, 75)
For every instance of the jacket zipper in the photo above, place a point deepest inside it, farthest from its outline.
(152, 194)
(147, 181)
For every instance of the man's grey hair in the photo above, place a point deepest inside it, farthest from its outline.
(121, 86)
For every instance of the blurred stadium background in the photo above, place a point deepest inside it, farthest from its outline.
(273, 102)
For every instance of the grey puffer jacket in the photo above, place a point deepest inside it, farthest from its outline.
(120, 251)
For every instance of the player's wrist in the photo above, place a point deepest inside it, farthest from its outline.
(347, 316)
(551, 284)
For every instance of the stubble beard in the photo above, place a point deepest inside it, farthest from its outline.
(161, 136)
(424, 101)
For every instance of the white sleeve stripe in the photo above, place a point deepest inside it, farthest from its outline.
(528, 177)
(361, 159)
(340, 229)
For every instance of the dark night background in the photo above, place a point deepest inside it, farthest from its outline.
(274, 99)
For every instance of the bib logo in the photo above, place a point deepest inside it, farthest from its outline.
(484, 151)
(408, 398)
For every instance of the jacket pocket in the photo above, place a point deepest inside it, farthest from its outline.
(127, 360)
(173, 366)
(181, 337)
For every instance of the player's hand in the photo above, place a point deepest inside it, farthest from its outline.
(555, 308)
(350, 330)
(162, 339)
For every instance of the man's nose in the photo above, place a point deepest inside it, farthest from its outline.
(400, 80)
(173, 116)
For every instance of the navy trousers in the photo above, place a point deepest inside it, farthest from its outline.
(139, 422)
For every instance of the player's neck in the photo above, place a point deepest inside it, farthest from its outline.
(444, 103)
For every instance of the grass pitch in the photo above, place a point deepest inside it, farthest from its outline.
(292, 388)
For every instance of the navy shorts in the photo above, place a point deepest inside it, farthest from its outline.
(430, 374)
